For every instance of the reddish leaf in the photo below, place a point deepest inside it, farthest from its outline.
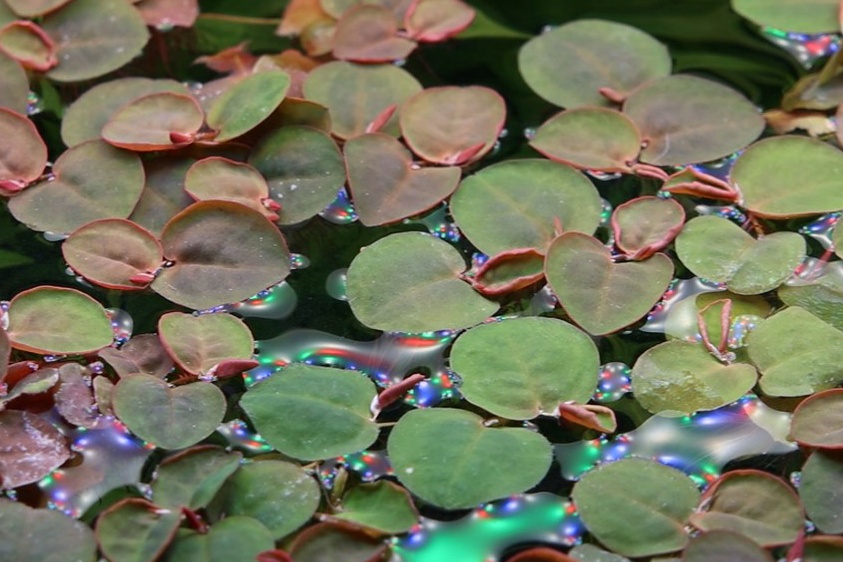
(231, 367)
(164, 14)
(335, 537)
(430, 21)
(590, 416)
(34, 8)
(222, 179)
(509, 271)
(299, 15)
(141, 355)
(645, 225)
(27, 43)
(274, 556)
(163, 195)
(32, 448)
(151, 123)
(74, 399)
(368, 33)
(541, 554)
(14, 88)
(233, 60)
(22, 161)
(396, 391)
(318, 39)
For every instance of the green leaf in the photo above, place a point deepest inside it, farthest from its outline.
(35, 449)
(159, 121)
(818, 420)
(568, 65)
(135, 530)
(22, 161)
(753, 503)
(303, 168)
(163, 195)
(823, 549)
(449, 458)
(800, 16)
(14, 89)
(199, 343)
(796, 353)
(43, 535)
(821, 489)
(684, 377)
(313, 413)
(193, 477)
(822, 295)
(645, 225)
(170, 418)
(33, 8)
(514, 204)
(509, 271)
(280, 495)
(57, 320)
(684, 119)
(724, 545)
(598, 294)
(789, 176)
(383, 506)
(245, 105)
(411, 282)
(233, 538)
(643, 519)
(221, 179)
(523, 367)
(590, 553)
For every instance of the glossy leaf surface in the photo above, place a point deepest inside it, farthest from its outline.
(221, 179)
(246, 104)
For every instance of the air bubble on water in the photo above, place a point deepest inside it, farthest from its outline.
(399, 62)
(605, 212)
(796, 479)
(603, 176)
(719, 168)
(730, 212)
(805, 48)
(298, 261)
(613, 382)
(530, 133)
(341, 210)
(503, 134)
(165, 25)
(676, 312)
(238, 435)
(439, 223)
(277, 302)
(33, 104)
(335, 284)
(546, 28)
(55, 236)
(822, 229)
(122, 324)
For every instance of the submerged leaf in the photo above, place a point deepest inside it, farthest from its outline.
(32, 448)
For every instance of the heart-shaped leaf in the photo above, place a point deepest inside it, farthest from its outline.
(32, 449)
(280, 495)
(163, 195)
(767, 175)
(57, 320)
(91, 181)
(719, 250)
(383, 506)
(234, 538)
(223, 252)
(29, 45)
(524, 367)
(143, 354)
(684, 377)
(226, 180)
(245, 105)
(158, 121)
(597, 55)
(135, 530)
(170, 418)
(290, 410)
(110, 252)
(22, 161)
(452, 125)
(386, 186)
(509, 271)
(593, 138)
(641, 520)
(821, 295)
(686, 119)
(303, 168)
(821, 489)
(515, 204)
(449, 458)
(817, 421)
(796, 353)
(813, 16)
(59, 538)
(598, 294)
(437, 20)
(411, 282)
(355, 95)
(199, 343)
(14, 89)
(645, 225)
(368, 33)
(193, 477)
(724, 545)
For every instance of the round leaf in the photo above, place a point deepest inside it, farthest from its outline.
(232, 538)
(822, 295)
(524, 367)
(724, 545)
(246, 104)
(593, 138)
(43, 535)
(226, 180)
(355, 95)
(821, 489)
(94, 37)
(34, 8)
(452, 125)
(449, 458)
(598, 294)
(514, 205)
(223, 253)
(57, 320)
(636, 520)
(321, 542)
(411, 282)
(22, 161)
(200, 343)
(134, 530)
(32, 449)
(386, 186)
(171, 418)
(303, 168)
(646, 224)
(312, 412)
(28, 44)
(684, 377)
(109, 252)
(382, 505)
(369, 33)
(686, 119)
(597, 54)
(800, 16)
(437, 20)
(193, 477)
(154, 122)
(92, 181)
(14, 88)
(818, 420)
(789, 176)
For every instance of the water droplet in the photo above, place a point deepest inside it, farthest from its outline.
(298, 261)
(335, 284)
(55, 236)
(530, 133)
(341, 210)
(122, 324)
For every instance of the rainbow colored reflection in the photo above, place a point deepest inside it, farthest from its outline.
(699, 445)
(487, 532)
(240, 437)
(341, 210)
(277, 302)
(804, 47)
(122, 324)
(369, 465)
(663, 318)
(439, 223)
(613, 382)
(821, 229)
(723, 211)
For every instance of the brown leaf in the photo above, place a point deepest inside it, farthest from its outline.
(30, 448)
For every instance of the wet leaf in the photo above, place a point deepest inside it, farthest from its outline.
(385, 184)
(789, 176)
(164, 14)
(796, 353)
(509, 271)
(321, 542)
(449, 458)
(822, 295)
(369, 33)
(221, 179)
(684, 119)
(109, 252)
(411, 282)
(159, 121)
(753, 503)
(593, 138)
(303, 168)
(719, 250)
(135, 530)
(280, 495)
(21, 161)
(355, 95)
(313, 413)
(57, 320)
(641, 520)
(598, 294)
(199, 343)
(520, 368)
(233, 538)
(684, 377)
(43, 535)
(514, 205)
(32, 448)
(223, 253)
(724, 545)
(818, 420)
(170, 418)
(163, 195)
(597, 54)
(383, 506)
(811, 16)
(74, 398)
(452, 125)
(94, 37)
(92, 181)
(14, 88)
(143, 354)
(245, 105)
(645, 225)
(437, 20)
(821, 489)
(193, 477)
(29, 45)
